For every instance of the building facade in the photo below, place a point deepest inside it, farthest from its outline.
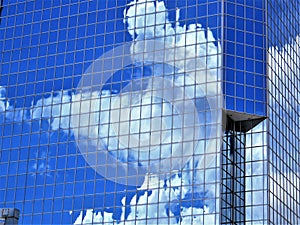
(150, 112)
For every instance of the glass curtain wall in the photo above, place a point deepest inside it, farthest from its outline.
(110, 111)
(283, 122)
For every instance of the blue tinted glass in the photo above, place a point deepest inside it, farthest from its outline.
(230, 103)
(47, 47)
(240, 105)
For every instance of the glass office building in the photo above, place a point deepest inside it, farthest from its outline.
(150, 112)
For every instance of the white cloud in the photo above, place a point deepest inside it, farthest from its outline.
(284, 100)
(194, 49)
(2, 99)
(156, 207)
(284, 73)
(196, 216)
(94, 218)
(145, 20)
(10, 113)
(56, 108)
(284, 86)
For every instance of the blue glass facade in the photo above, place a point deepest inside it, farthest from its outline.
(150, 112)
(67, 155)
(283, 122)
(244, 61)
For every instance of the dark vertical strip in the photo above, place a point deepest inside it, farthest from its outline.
(233, 175)
(232, 144)
(1, 8)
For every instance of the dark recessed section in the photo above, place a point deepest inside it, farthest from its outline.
(1, 8)
(241, 122)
